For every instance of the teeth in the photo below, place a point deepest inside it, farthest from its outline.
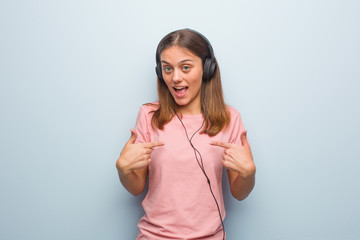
(179, 88)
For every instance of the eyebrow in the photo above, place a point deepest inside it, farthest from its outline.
(185, 60)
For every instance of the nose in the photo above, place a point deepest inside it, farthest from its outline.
(177, 76)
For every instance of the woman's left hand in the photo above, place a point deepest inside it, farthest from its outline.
(238, 157)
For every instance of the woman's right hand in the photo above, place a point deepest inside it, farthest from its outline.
(135, 156)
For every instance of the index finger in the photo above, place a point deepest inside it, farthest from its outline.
(221, 144)
(152, 144)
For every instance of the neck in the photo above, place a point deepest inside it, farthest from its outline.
(193, 108)
(187, 112)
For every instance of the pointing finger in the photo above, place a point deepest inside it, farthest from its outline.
(153, 144)
(221, 144)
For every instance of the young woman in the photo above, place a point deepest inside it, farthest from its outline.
(182, 142)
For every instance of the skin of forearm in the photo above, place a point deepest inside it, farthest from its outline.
(133, 182)
(242, 186)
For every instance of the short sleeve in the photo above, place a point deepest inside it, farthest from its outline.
(236, 126)
(143, 122)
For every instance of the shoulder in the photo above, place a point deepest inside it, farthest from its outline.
(235, 117)
(233, 112)
(235, 126)
(144, 119)
(149, 108)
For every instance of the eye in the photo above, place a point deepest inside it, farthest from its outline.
(186, 68)
(167, 69)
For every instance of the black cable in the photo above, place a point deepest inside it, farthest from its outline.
(201, 165)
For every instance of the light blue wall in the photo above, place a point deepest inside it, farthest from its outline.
(74, 73)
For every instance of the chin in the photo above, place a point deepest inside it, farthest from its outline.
(181, 102)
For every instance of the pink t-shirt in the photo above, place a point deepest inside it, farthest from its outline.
(179, 204)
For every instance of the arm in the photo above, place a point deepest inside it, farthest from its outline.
(132, 165)
(135, 181)
(238, 161)
(241, 186)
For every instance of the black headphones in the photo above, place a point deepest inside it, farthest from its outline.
(209, 68)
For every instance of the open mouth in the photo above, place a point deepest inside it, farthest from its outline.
(180, 91)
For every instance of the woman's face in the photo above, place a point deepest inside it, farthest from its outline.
(182, 72)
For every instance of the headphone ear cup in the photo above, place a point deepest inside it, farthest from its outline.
(158, 71)
(209, 69)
